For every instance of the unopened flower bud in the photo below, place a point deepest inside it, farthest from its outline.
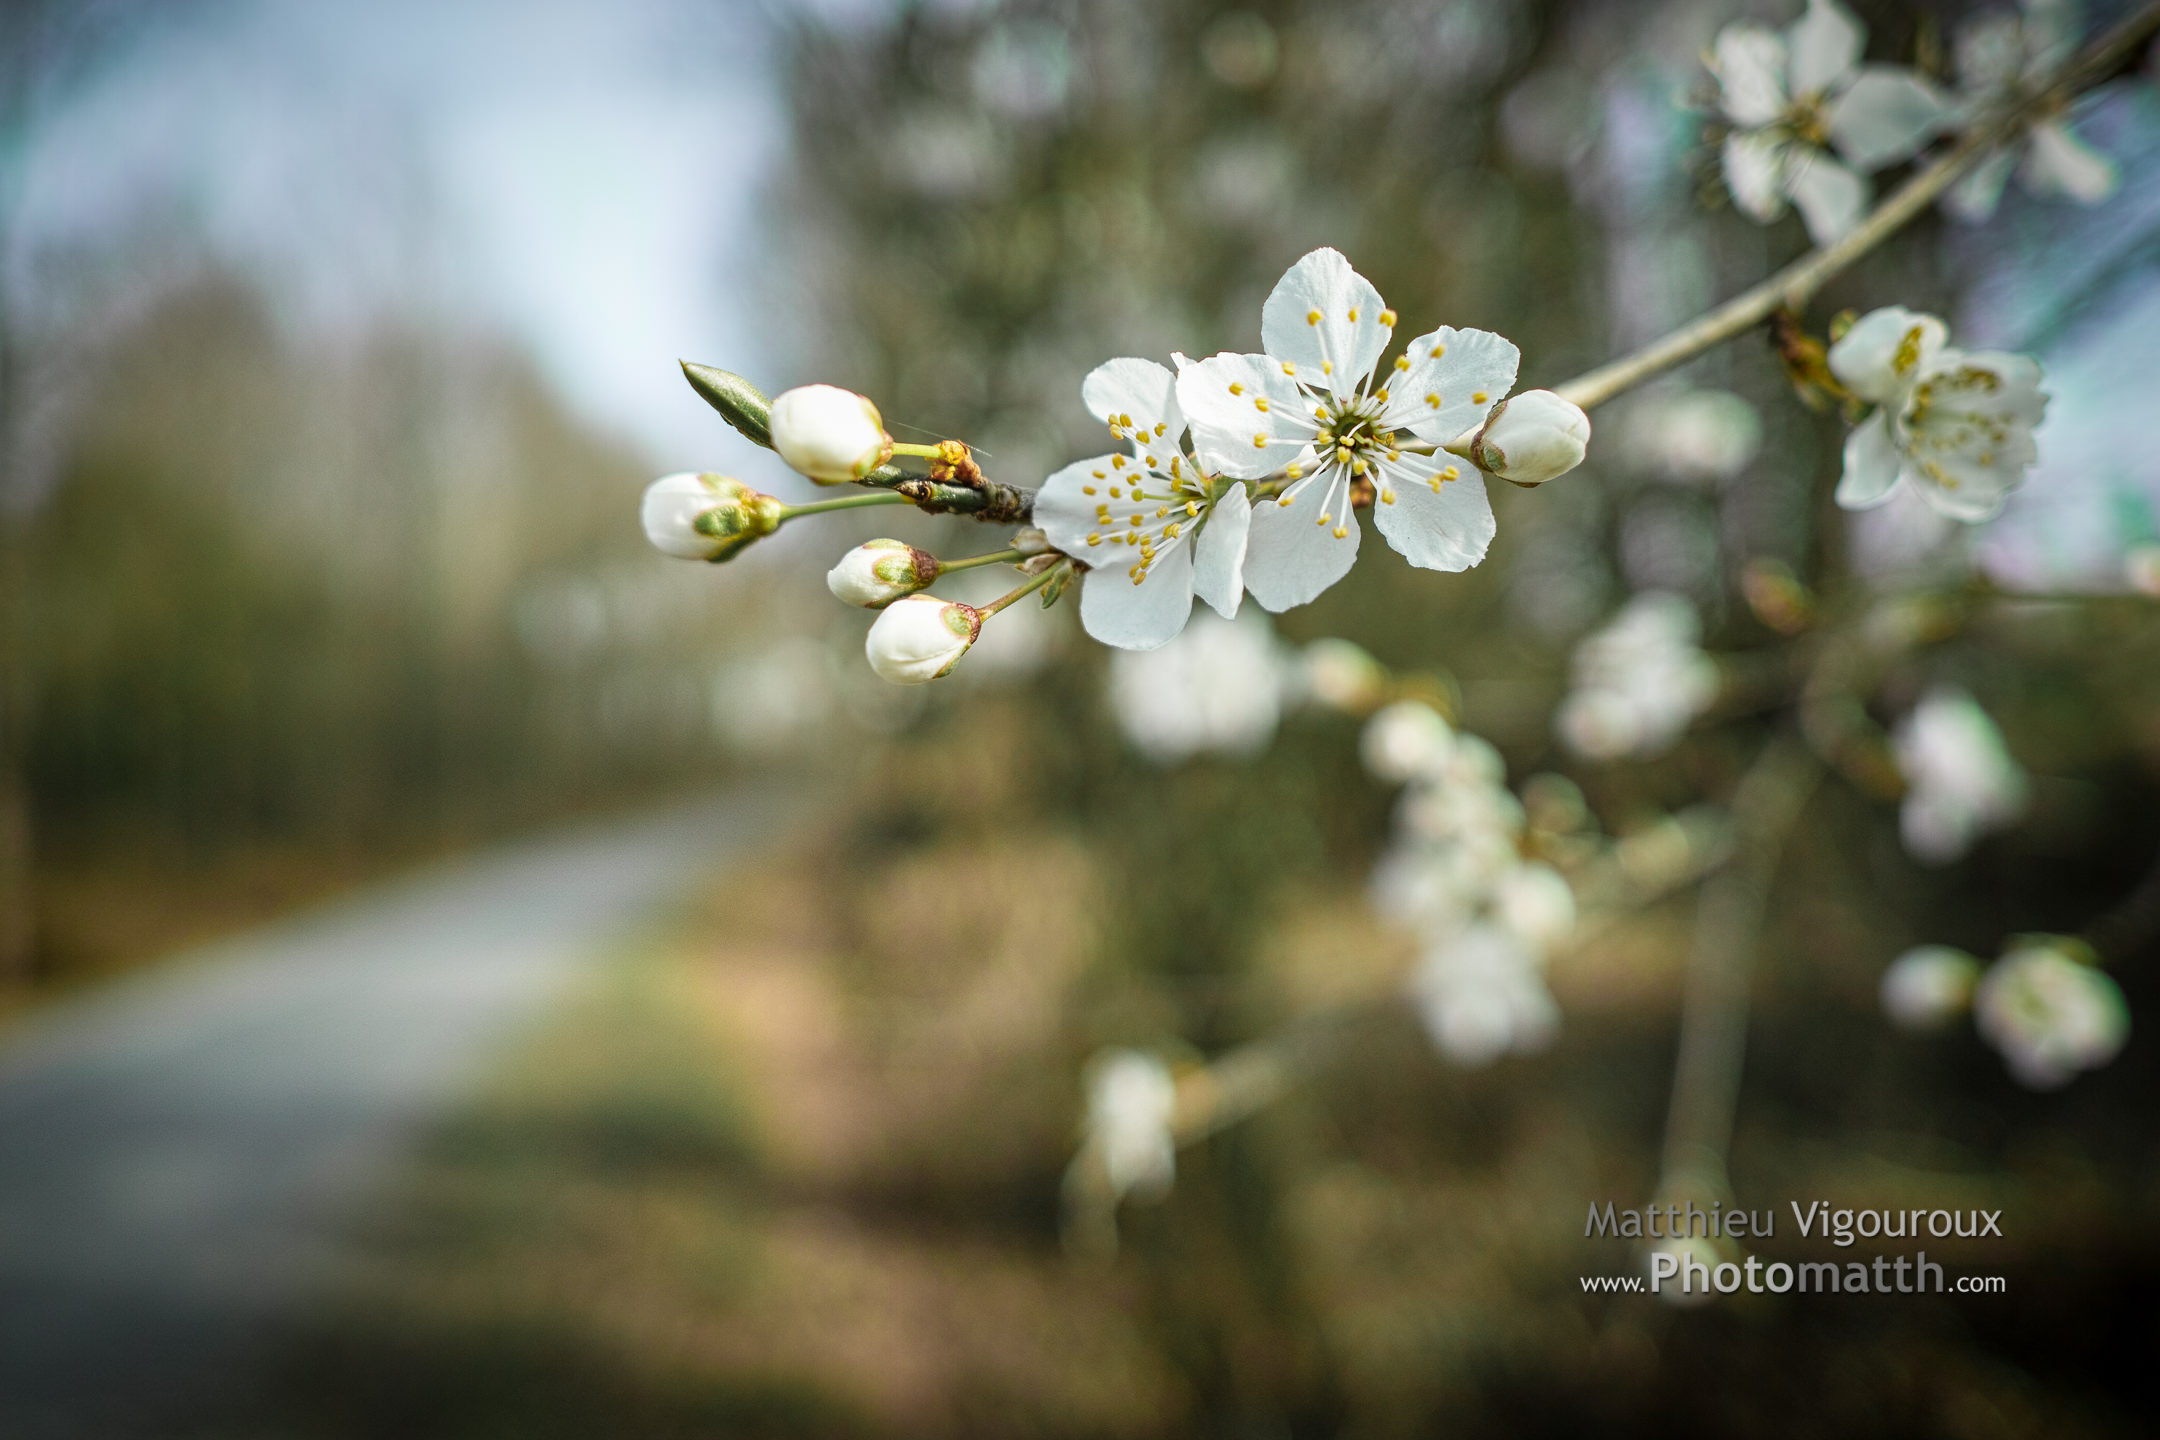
(829, 434)
(875, 574)
(1929, 985)
(1531, 438)
(707, 517)
(920, 637)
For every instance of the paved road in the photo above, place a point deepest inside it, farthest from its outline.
(178, 1150)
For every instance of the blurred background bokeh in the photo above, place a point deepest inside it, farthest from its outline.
(338, 343)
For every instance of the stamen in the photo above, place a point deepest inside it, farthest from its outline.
(1312, 317)
(1236, 389)
(1478, 398)
(1387, 318)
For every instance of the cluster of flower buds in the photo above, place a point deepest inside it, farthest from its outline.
(2046, 1004)
(1487, 917)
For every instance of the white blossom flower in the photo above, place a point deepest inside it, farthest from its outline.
(1407, 741)
(878, 572)
(920, 637)
(1313, 410)
(706, 517)
(1955, 426)
(1131, 1097)
(2000, 56)
(1344, 676)
(2050, 1015)
(1182, 532)
(1218, 686)
(829, 434)
(1791, 95)
(1639, 682)
(1481, 997)
(1534, 903)
(1960, 779)
(1927, 986)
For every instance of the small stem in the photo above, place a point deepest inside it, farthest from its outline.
(1002, 557)
(1034, 583)
(1713, 1019)
(845, 502)
(921, 452)
(1793, 286)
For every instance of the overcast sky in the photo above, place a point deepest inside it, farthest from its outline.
(578, 175)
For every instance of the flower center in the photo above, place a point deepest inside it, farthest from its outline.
(1351, 434)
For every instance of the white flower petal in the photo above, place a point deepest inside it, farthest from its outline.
(1435, 524)
(1886, 115)
(1454, 378)
(1974, 198)
(1749, 63)
(1140, 388)
(1219, 553)
(1886, 351)
(1754, 162)
(1291, 557)
(1830, 197)
(1825, 45)
(1972, 440)
(1233, 435)
(1990, 54)
(1067, 513)
(2058, 163)
(1138, 617)
(1871, 465)
(1324, 318)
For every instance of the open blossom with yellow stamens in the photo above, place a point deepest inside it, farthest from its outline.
(1153, 528)
(1954, 425)
(1314, 411)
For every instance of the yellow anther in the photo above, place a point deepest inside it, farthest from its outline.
(1087, 489)
(1116, 493)
(1100, 476)
(1259, 442)
(1357, 466)
(1343, 454)
(1260, 403)
(1171, 532)
(1288, 368)
(1387, 318)
(1192, 507)
(1478, 398)
(1451, 473)
(1161, 426)
(1312, 317)
(1153, 463)
(1435, 483)
(1117, 462)
(1327, 367)
(1341, 533)
(1125, 420)
(1161, 510)
(1284, 502)
(1295, 472)
(1394, 454)
(1173, 465)
(1136, 520)
(1387, 497)
(1353, 314)
(1402, 362)
(1236, 389)
(1324, 519)
(1433, 400)
(1094, 539)
(1438, 351)
(1381, 396)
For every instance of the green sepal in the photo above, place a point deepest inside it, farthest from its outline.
(740, 403)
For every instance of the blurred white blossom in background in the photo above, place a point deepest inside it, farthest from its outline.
(1218, 686)
(1928, 986)
(1793, 97)
(1639, 682)
(1961, 782)
(1130, 1099)
(2051, 1015)
(1998, 55)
